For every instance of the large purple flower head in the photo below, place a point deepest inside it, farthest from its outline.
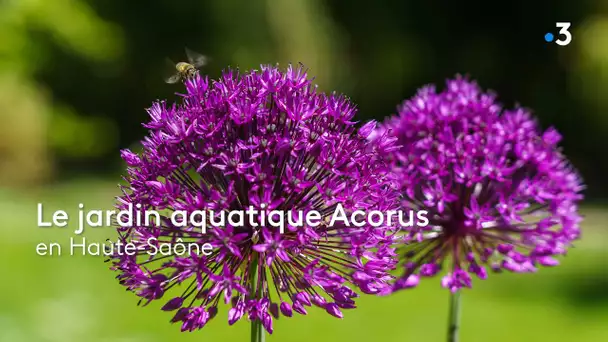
(499, 193)
(266, 140)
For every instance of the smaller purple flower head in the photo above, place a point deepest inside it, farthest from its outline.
(499, 193)
(269, 141)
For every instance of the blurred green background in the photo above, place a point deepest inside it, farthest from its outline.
(76, 75)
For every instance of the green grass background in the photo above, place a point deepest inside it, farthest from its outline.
(76, 298)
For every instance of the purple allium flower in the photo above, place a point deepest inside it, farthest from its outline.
(266, 139)
(499, 193)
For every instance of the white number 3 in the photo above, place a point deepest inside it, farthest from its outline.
(565, 33)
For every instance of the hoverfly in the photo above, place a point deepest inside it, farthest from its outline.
(187, 69)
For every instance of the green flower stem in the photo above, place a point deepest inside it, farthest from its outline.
(257, 331)
(454, 319)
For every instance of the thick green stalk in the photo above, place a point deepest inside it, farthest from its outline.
(257, 331)
(454, 318)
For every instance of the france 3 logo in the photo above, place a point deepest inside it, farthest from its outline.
(564, 35)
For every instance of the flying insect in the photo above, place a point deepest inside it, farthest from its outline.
(185, 70)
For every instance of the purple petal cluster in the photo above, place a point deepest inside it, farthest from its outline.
(499, 193)
(266, 139)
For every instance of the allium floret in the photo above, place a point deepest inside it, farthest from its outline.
(270, 140)
(499, 191)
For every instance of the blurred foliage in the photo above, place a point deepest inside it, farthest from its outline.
(76, 75)
(34, 126)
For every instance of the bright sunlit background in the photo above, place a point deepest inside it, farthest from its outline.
(76, 75)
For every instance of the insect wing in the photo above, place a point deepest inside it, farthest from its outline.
(169, 72)
(173, 78)
(196, 59)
